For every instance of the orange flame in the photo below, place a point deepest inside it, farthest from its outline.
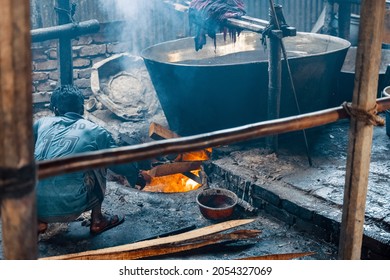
(194, 156)
(179, 182)
(172, 183)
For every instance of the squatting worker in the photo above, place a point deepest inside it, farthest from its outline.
(63, 198)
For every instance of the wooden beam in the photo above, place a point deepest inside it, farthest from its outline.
(368, 60)
(286, 256)
(174, 168)
(158, 132)
(157, 246)
(17, 169)
(70, 30)
(193, 143)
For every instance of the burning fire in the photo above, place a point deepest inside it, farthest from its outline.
(179, 182)
(198, 155)
(173, 183)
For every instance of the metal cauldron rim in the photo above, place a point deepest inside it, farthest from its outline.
(145, 53)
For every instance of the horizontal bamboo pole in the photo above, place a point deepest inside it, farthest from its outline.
(69, 30)
(194, 143)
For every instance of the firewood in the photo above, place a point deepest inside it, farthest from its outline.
(166, 245)
(174, 168)
(288, 256)
(158, 132)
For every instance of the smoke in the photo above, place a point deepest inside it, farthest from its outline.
(125, 9)
(147, 22)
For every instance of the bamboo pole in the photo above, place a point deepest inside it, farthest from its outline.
(17, 172)
(194, 143)
(360, 134)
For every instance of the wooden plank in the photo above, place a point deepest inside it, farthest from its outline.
(130, 251)
(17, 172)
(360, 134)
(181, 246)
(174, 168)
(287, 256)
(158, 132)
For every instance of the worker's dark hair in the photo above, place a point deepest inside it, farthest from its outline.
(67, 98)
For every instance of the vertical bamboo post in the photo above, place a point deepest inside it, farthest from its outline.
(368, 59)
(17, 172)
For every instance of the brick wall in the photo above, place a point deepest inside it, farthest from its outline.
(92, 48)
(87, 50)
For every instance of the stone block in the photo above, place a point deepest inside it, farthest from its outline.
(40, 76)
(92, 50)
(266, 195)
(46, 65)
(279, 213)
(297, 210)
(81, 63)
(82, 83)
(46, 86)
(118, 48)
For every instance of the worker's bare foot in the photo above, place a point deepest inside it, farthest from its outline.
(105, 223)
(42, 227)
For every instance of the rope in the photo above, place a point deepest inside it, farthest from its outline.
(369, 117)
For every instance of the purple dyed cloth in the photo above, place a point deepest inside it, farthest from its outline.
(208, 17)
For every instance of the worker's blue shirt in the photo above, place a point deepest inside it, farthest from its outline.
(61, 136)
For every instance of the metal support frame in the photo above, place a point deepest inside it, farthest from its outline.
(276, 31)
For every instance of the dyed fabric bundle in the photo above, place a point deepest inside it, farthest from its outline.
(209, 16)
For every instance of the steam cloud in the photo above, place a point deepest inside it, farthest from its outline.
(147, 21)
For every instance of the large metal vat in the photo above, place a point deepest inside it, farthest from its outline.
(225, 87)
